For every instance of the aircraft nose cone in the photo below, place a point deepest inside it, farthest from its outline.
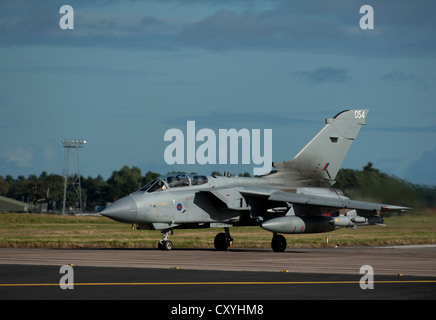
(123, 210)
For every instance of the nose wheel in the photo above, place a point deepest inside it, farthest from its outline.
(165, 244)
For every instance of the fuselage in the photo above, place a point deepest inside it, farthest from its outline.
(177, 200)
(171, 204)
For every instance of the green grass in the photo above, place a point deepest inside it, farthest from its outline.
(56, 231)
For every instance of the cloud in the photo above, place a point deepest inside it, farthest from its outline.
(406, 129)
(25, 160)
(229, 119)
(397, 77)
(324, 75)
(401, 27)
(420, 171)
(275, 28)
(20, 156)
(109, 72)
(39, 25)
(226, 27)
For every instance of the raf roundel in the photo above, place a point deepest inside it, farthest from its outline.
(179, 207)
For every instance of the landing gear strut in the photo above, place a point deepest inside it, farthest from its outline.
(278, 243)
(223, 240)
(165, 243)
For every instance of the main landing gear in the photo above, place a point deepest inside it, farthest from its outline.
(278, 243)
(223, 240)
(165, 244)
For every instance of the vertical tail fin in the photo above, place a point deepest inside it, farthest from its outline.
(321, 159)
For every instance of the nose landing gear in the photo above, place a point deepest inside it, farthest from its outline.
(165, 244)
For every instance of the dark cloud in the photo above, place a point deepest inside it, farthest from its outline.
(274, 28)
(324, 75)
(38, 24)
(401, 27)
(397, 77)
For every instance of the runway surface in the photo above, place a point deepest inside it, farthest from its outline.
(406, 272)
(409, 260)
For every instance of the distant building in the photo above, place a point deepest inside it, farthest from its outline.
(12, 205)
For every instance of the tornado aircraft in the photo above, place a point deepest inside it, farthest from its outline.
(295, 197)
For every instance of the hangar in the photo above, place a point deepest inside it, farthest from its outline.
(12, 205)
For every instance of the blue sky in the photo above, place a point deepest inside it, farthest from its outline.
(131, 70)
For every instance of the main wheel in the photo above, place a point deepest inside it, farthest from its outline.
(278, 243)
(220, 242)
(167, 245)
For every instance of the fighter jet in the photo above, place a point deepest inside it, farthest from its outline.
(295, 197)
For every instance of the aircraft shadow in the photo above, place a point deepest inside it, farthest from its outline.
(182, 249)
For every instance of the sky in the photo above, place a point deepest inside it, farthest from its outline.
(131, 70)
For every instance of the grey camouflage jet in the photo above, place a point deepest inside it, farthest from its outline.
(296, 197)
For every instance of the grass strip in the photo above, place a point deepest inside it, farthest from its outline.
(25, 230)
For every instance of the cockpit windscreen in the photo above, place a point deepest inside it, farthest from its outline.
(173, 181)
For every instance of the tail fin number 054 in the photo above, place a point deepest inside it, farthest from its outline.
(359, 114)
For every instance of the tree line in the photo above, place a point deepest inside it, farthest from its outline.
(373, 185)
(368, 184)
(96, 192)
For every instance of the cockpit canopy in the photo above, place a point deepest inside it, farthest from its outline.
(173, 181)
